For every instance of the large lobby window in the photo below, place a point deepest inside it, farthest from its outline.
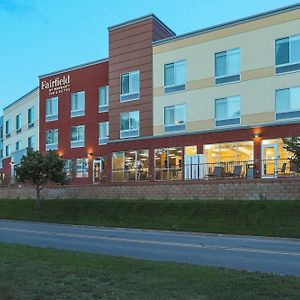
(103, 99)
(130, 124)
(287, 54)
(228, 111)
(130, 165)
(229, 152)
(175, 118)
(77, 136)
(78, 104)
(52, 139)
(175, 76)
(227, 66)
(288, 103)
(52, 109)
(82, 167)
(168, 163)
(130, 86)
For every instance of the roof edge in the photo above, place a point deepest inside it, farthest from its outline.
(21, 98)
(139, 19)
(229, 24)
(95, 62)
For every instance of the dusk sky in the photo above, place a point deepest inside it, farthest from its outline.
(38, 37)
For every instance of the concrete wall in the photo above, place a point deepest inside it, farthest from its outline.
(256, 189)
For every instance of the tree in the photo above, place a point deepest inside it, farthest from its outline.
(39, 170)
(292, 144)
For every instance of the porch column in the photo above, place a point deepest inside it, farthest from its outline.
(257, 155)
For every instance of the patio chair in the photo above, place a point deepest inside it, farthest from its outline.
(218, 172)
(282, 169)
(237, 171)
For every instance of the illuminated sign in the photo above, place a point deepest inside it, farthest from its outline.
(58, 85)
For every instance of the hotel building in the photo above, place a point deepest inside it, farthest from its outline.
(215, 102)
(20, 130)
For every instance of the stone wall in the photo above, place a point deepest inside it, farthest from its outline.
(275, 189)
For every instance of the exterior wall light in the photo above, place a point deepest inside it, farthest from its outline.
(256, 135)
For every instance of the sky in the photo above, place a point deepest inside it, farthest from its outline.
(41, 36)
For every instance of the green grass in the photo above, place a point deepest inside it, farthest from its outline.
(268, 218)
(34, 273)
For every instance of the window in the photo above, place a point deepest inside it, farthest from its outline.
(52, 109)
(175, 76)
(228, 111)
(130, 124)
(103, 99)
(18, 145)
(77, 136)
(18, 123)
(82, 167)
(31, 142)
(30, 117)
(168, 163)
(227, 66)
(175, 117)
(130, 165)
(69, 167)
(52, 139)
(7, 151)
(287, 54)
(78, 104)
(7, 128)
(103, 133)
(130, 86)
(287, 103)
(1, 133)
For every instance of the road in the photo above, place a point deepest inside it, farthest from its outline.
(274, 255)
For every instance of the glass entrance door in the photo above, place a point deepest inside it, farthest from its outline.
(269, 160)
(97, 170)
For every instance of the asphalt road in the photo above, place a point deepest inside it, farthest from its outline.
(281, 256)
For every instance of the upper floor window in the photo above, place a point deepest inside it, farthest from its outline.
(287, 103)
(103, 99)
(103, 133)
(18, 123)
(130, 124)
(30, 115)
(52, 139)
(77, 136)
(52, 109)
(8, 128)
(7, 150)
(175, 76)
(78, 104)
(228, 111)
(130, 86)
(31, 142)
(1, 133)
(175, 118)
(227, 66)
(18, 145)
(287, 54)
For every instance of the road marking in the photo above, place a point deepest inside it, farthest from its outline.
(152, 242)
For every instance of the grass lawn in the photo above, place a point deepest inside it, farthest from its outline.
(35, 273)
(257, 217)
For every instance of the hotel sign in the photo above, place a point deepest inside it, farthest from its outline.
(58, 85)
